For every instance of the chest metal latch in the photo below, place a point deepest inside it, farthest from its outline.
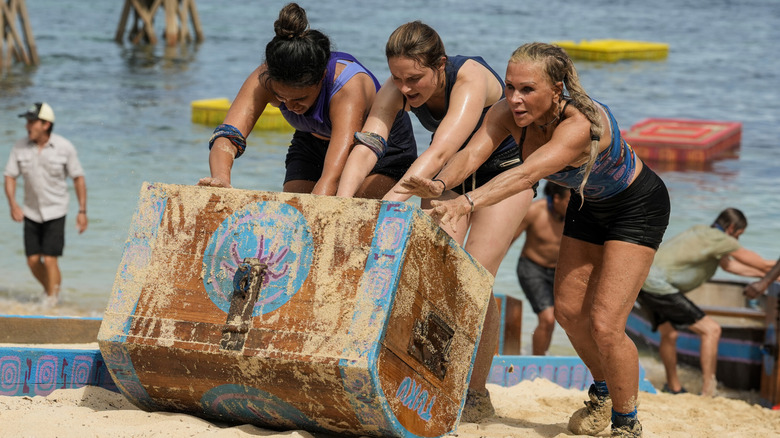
(246, 290)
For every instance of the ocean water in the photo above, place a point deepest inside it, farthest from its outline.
(127, 108)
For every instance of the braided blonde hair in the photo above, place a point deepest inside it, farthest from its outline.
(559, 68)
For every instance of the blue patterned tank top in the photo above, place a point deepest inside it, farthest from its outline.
(612, 171)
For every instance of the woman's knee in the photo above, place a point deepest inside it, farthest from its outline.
(605, 333)
(570, 320)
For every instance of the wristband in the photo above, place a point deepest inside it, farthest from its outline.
(83, 211)
(442, 183)
(471, 202)
(231, 133)
(374, 142)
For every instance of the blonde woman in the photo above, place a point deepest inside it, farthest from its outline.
(615, 221)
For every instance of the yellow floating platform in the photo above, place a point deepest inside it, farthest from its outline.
(614, 50)
(213, 111)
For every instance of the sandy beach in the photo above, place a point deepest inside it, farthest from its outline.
(536, 408)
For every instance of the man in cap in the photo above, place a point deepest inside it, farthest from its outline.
(45, 161)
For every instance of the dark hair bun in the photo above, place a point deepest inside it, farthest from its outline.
(292, 22)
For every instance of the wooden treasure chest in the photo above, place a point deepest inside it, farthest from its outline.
(282, 310)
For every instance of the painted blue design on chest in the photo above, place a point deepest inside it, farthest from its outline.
(252, 405)
(275, 233)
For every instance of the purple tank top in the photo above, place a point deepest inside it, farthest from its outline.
(317, 119)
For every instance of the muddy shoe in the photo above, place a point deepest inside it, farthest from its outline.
(477, 407)
(594, 417)
(626, 428)
(671, 391)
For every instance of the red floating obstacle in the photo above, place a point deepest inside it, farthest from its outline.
(678, 140)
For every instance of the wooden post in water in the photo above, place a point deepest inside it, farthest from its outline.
(177, 15)
(13, 42)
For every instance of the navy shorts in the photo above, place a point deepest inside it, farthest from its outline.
(674, 308)
(306, 156)
(47, 238)
(537, 283)
(639, 214)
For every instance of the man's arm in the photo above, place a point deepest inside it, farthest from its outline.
(748, 258)
(80, 184)
(10, 192)
(737, 267)
(758, 287)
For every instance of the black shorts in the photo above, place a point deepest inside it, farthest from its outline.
(638, 214)
(47, 238)
(306, 156)
(537, 283)
(675, 308)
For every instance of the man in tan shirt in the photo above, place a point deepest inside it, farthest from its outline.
(44, 161)
(682, 264)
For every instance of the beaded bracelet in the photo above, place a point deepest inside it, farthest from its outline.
(232, 134)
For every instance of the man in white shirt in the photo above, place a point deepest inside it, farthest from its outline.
(45, 161)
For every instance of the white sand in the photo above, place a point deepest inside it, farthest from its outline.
(531, 409)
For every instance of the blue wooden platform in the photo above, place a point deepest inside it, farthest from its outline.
(566, 371)
(26, 371)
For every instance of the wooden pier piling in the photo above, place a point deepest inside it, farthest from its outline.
(13, 43)
(178, 13)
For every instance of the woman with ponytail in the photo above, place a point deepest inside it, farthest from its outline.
(615, 221)
(326, 96)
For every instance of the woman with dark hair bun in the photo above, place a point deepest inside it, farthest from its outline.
(326, 96)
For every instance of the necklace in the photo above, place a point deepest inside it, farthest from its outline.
(544, 126)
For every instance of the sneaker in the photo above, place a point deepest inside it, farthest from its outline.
(669, 390)
(477, 407)
(630, 428)
(594, 417)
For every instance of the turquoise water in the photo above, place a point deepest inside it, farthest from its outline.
(127, 109)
